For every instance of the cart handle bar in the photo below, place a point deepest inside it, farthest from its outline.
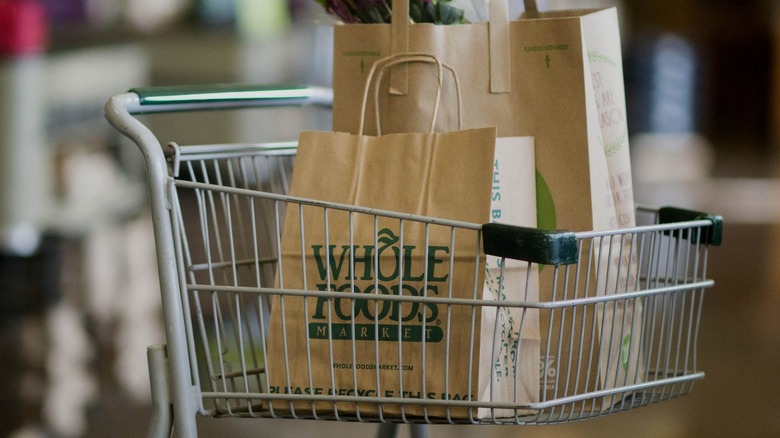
(226, 96)
(559, 247)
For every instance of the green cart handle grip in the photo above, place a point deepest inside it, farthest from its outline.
(712, 235)
(208, 97)
(560, 247)
(530, 244)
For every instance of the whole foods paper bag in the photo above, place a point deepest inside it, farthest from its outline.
(371, 347)
(374, 348)
(556, 76)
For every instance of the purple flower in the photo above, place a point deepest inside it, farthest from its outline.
(379, 11)
(340, 10)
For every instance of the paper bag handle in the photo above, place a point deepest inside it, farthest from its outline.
(425, 57)
(498, 44)
(383, 64)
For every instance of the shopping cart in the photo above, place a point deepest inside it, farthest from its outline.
(218, 212)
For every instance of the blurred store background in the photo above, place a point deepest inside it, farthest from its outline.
(78, 287)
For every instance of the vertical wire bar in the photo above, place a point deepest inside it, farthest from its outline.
(400, 320)
(254, 253)
(263, 367)
(640, 249)
(674, 298)
(557, 357)
(423, 312)
(687, 318)
(592, 310)
(512, 349)
(682, 296)
(572, 322)
(659, 302)
(693, 324)
(523, 313)
(642, 266)
(276, 236)
(582, 317)
(686, 325)
(283, 312)
(703, 252)
(305, 282)
(653, 272)
(589, 269)
(500, 296)
(267, 222)
(559, 391)
(213, 212)
(616, 362)
(238, 217)
(697, 277)
(448, 322)
(515, 346)
(547, 362)
(609, 307)
(472, 335)
(375, 259)
(636, 312)
(354, 304)
(676, 278)
(621, 361)
(641, 303)
(329, 285)
(248, 244)
(262, 300)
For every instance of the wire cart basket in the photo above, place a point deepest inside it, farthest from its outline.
(218, 212)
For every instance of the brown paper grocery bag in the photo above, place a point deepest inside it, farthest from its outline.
(556, 76)
(372, 348)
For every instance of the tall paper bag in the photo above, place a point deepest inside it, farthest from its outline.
(556, 76)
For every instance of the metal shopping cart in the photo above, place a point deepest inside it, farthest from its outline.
(218, 213)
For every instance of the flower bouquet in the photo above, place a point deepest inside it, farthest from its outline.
(380, 11)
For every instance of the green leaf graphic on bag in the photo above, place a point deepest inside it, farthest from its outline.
(600, 57)
(615, 146)
(545, 206)
(625, 351)
(546, 218)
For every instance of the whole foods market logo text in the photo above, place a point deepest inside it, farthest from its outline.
(386, 268)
